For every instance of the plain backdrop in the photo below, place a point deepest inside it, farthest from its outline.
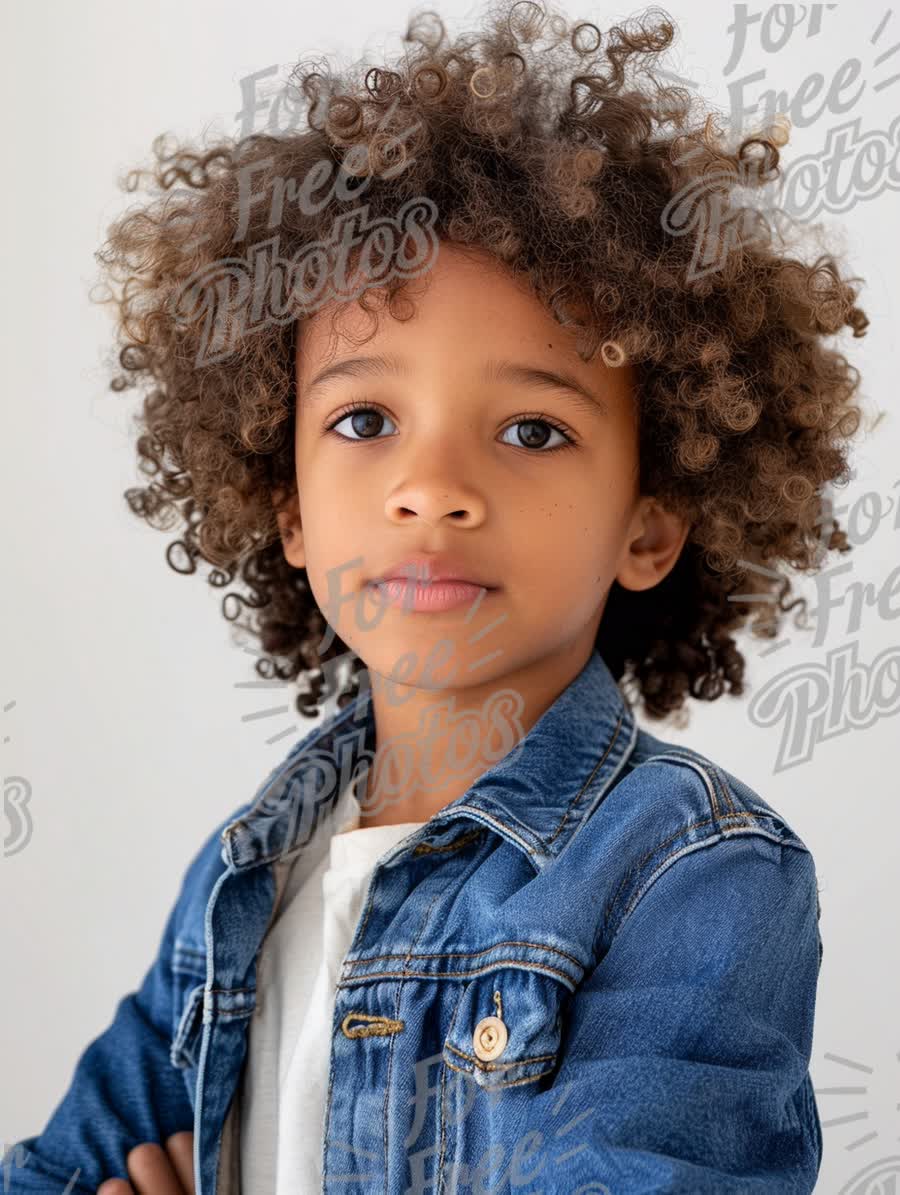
(126, 705)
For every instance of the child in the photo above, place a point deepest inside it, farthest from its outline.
(480, 929)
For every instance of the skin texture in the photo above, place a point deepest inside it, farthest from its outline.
(445, 469)
(157, 1171)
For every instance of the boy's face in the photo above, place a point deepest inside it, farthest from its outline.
(452, 460)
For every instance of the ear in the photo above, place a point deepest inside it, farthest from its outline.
(287, 512)
(654, 543)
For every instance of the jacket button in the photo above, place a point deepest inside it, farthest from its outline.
(490, 1038)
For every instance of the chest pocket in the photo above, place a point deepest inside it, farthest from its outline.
(189, 978)
(507, 1027)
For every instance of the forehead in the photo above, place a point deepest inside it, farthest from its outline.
(467, 307)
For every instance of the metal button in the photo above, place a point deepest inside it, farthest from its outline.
(490, 1038)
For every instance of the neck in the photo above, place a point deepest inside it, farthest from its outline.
(432, 744)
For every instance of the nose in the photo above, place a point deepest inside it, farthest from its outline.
(435, 501)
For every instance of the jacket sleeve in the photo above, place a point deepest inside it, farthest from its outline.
(124, 1091)
(687, 1057)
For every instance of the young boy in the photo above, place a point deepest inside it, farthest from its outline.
(478, 929)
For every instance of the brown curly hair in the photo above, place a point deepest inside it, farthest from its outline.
(535, 142)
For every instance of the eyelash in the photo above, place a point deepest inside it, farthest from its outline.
(528, 417)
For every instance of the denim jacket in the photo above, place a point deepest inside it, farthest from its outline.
(594, 971)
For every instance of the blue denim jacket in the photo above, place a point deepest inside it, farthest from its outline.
(595, 971)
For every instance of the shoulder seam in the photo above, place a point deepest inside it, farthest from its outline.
(639, 891)
(714, 781)
(719, 826)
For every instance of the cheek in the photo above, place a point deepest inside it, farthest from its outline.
(337, 592)
(330, 512)
(338, 503)
(568, 562)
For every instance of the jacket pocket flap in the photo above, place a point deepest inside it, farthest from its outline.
(506, 1028)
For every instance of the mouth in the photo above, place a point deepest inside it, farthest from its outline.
(437, 569)
(431, 596)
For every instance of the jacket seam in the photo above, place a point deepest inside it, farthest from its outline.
(511, 1083)
(710, 775)
(499, 1066)
(710, 840)
(754, 827)
(470, 954)
(587, 784)
(540, 968)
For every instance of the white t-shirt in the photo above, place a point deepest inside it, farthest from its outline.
(285, 1082)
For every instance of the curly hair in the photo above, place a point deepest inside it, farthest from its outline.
(556, 149)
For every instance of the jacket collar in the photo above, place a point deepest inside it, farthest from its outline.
(537, 796)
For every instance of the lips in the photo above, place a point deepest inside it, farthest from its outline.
(426, 569)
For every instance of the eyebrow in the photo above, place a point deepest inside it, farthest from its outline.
(384, 364)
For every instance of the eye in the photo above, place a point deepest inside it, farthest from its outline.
(364, 421)
(535, 435)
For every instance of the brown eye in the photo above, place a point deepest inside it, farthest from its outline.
(365, 423)
(534, 434)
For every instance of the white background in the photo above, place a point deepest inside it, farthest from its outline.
(130, 722)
